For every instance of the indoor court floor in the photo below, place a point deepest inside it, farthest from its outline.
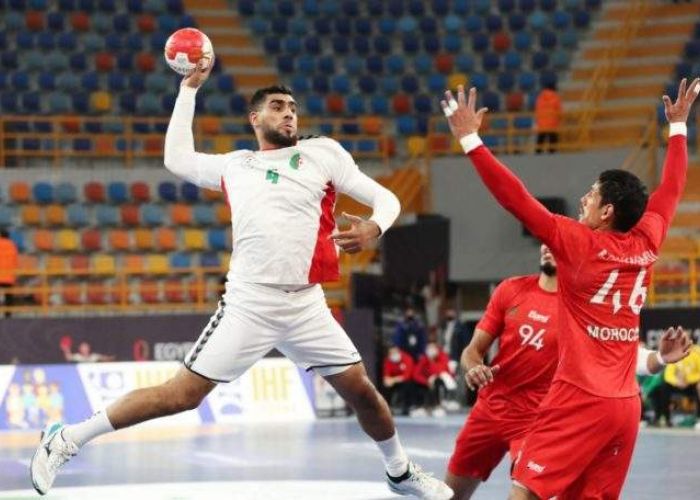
(325, 459)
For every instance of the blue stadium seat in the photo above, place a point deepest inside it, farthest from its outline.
(9, 60)
(406, 125)
(66, 193)
(382, 45)
(107, 5)
(157, 40)
(90, 81)
(523, 122)
(548, 78)
(410, 84)
(437, 83)
(134, 42)
(522, 41)
(506, 81)
(512, 61)
(540, 60)
(292, 45)
(464, 63)
(279, 26)
(59, 103)
(494, 23)
(361, 45)
(134, 6)
(375, 7)
(20, 80)
(548, 39)
(548, 5)
(7, 215)
(341, 45)
(34, 61)
(152, 214)
(480, 81)
(326, 65)
(395, 8)
(341, 83)
(407, 25)
(25, 40)
(490, 61)
(168, 23)
(431, 44)
(569, 38)
(423, 63)
(300, 84)
(480, 42)
(356, 104)
(217, 104)
(367, 84)
(17, 236)
(180, 260)
(379, 105)
(473, 24)
(423, 103)
(158, 82)
(538, 20)
(363, 26)
(117, 192)
(320, 84)
(272, 45)
(137, 82)
(395, 64)
(189, 192)
(311, 8)
(107, 215)
(286, 8)
(527, 81)
(46, 40)
(411, 44)
(125, 61)
(312, 45)
(561, 20)
(387, 26)
(322, 26)
(560, 59)
(306, 64)
(517, 21)
(416, 8)
(452, 43)
(428, 25)
(342, 26)
(210, 259)
(203, 215)
(167, 191)
(390, 84)
(31, 102)
(42, 192)
(67, 41)
(581, 19)
(258, 26)
(44, 127)
(148, 104)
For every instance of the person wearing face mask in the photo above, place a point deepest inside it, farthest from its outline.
(523, 314)
(433, 376)
(410, 335)
(397, 379)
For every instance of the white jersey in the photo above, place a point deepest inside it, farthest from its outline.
(281, 200)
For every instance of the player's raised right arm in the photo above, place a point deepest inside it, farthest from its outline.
(508, 190)
(180, 157)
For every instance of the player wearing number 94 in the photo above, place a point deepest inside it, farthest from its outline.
(522, 314)
(582, 440)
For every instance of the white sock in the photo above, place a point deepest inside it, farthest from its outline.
(395, 459)
(89, 429)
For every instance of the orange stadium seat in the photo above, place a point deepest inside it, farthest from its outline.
(104, 62)
(140, 192)
(98, 293)
(19, 192)
(177, 290)
(80, 21)
(456, 79)
(104, 145)
(149, 291)
(72, 293)
(145, 62)
(181, 214)
(166, 239)
(30, 215)
(28, 262)
(210, 125)
(133, 264)
(67, 240)
(143, 239)
(146, 23)
(56, 264)
(223, 213)
(154, 145)
(371, 125)
(43, 240)
(71, 125)
(91, 240)
(209, 195)
(101, 102)
(55, 215)
(34, 20)
(118, 239)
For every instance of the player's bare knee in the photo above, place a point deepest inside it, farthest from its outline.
(365, 397)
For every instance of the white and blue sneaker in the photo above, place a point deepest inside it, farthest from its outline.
(52, 453)
(419, 484)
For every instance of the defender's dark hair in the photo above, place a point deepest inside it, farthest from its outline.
(4, 233)
(627, 193)
(260, 94)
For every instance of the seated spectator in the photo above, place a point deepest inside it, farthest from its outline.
(679, 378)
(398, 379)
(410, 335)
(434, 378)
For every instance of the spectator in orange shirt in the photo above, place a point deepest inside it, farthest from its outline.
(397, 378)
(8, 266)
(548, 118)
(433, 377)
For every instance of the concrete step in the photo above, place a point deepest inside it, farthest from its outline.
(249, 51)
(615, 91)
(658, 11)
(206, 4)
(234, 40)
(621, 102)
(650, 30)
(628, 61)
(638, 41)
(254, 81)
(638, 70)
(639, 49)
(619, 80)
(222, 20)
(215, 32)
(252, 60)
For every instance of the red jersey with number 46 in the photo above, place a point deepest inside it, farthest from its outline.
(523, 317)
(602, 275)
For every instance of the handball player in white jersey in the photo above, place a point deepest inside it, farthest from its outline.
(284, 245)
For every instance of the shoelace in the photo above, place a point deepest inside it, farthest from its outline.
(422, 477)
(59, 455)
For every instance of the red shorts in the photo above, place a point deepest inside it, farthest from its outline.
(485, 438)
(580, 445)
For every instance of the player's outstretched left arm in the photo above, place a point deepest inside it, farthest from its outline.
(667, 196)
(180, 156)
(509, 191)
(674, 346)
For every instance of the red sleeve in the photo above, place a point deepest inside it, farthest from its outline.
(387, 368)
(494, 317)
(664, 200)
(408, 371)
(419, 372)
(512, 195)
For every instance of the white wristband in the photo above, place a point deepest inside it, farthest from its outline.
(470, 142)
(660, 359)
(677, 128)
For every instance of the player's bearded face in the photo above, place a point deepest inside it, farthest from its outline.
(277, 120)
(547, 263)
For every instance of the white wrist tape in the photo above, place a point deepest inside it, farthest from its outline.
(470, 142)
(451, 108)
(677, 128)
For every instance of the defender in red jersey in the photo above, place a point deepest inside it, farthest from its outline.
(522, 315)
(582, 441)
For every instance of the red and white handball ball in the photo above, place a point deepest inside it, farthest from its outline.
(185, 48)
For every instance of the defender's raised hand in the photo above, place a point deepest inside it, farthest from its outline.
(678, 111)
(461, 114)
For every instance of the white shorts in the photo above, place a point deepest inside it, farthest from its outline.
(252, 319)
